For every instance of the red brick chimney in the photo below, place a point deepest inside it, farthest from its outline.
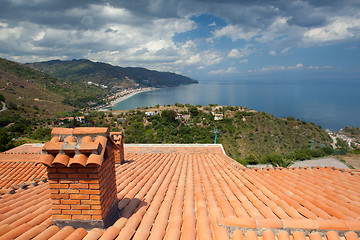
(81, 172)
(118, 138)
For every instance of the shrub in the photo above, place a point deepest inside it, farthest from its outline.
(5, 140)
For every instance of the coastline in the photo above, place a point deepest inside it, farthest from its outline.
(126, 96)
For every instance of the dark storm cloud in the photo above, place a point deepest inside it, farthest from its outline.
(118, 31)
(81, 14)
(304, 13)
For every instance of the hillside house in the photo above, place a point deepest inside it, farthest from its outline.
(185, 117)
(86, 184)
(150, 114)
(218, 116)
(80, 119)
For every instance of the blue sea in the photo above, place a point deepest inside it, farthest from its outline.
(332, 104)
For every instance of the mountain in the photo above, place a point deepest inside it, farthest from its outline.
(111, 76)
(26, 88)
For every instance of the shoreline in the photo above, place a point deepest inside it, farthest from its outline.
(126, 96)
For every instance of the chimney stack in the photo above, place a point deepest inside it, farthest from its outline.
(118, 138)
(81, 173)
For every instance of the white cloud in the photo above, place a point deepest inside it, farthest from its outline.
(272, 52)
(339, 28)
(222, 71)
(114, 42)
(236, 33)
(157, 33)
(298, 66)
(285, 50)
(241, 52)
(193, 59)
(213, 24)
(234, 53)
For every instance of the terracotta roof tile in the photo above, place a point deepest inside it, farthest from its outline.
(25, 149)
(76, 146)
(63, 233)
(48, 233)
(173, 193)
(61, 131)
(95, 233)
(351, 236)
(91, 130)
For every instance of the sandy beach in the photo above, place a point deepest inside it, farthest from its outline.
(126, 96)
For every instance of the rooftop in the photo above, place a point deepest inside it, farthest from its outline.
(195, 191)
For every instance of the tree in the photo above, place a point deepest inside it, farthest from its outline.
(5, 140)
(193, 110)
(170, 115)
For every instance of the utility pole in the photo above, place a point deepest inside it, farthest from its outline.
(216, 131)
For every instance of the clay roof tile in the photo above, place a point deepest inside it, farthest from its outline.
(268, 235)
(91, 131)
(78, 159)
(332, 235)
(86, 139)
(62, 159)
(283, 235)
(61, 131)
(250, 235)
(53, 146)
(46, 159)
(70, 139)
(55, 139)
(90, 147)
(351, 236)
(95, 159)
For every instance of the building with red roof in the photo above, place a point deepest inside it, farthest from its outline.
(86, 184)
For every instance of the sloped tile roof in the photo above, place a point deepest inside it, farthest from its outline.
(26, 149)
(18, 169)
(204, 195)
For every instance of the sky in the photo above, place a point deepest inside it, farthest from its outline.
(201, 39)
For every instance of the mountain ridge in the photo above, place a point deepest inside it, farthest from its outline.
(109, 75)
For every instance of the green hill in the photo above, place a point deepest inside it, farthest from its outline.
(24, 86)
(111, 76)
(245, 134)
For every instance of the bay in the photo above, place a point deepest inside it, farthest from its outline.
(332, 104)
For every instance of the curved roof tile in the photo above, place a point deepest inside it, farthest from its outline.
(62, 159)
(78, 159)
(178, 194)
(95, 159)
(70, 139)
(83, 146)
(46, 159)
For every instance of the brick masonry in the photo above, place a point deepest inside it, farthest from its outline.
(84, 196)
(118, 138)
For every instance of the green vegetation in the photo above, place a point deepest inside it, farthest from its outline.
(36, 101)
(352, 132)
(247, 136)
(111, 76)
(24, 85)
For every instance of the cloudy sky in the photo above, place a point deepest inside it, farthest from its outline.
(202, 39)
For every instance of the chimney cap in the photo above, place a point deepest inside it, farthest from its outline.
(84, 146)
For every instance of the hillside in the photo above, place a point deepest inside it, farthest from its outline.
(111, 76)
(24, 86)
(245, 134)
(351, 132)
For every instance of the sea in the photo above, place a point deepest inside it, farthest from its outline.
(332, 104)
